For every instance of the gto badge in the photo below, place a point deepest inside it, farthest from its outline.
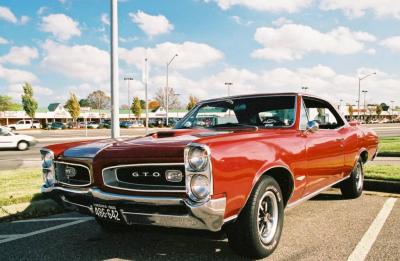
(137, 174)
(70, 172)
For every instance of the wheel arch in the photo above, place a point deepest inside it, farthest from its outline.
(363, 155)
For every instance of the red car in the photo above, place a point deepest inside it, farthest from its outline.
(231, 163)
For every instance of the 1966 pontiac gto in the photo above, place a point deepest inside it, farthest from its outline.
(234, 163)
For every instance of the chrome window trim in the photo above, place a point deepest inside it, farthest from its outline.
(140, 165)
(73, 164)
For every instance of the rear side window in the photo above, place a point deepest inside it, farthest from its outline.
(322, 112)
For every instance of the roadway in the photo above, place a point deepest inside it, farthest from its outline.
(324, 228)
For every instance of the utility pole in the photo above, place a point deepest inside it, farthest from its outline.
(115, 131)
(365, 94)
(146, 98)
(229, 84)
(167, 87)
(359, 92)
(129, 79)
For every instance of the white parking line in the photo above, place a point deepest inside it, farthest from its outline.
(16, 237)
(364, 246)
(48, 219)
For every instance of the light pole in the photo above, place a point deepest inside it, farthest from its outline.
(129, 79)
(365, 94)
(229, 84)
(340, 105)
(305, 88)
(177, 108)
(146, 99)
(359, 92)
(115, 131)
(167, 87)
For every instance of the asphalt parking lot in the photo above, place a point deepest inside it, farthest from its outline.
(324, 228)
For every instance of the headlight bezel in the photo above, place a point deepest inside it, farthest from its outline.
(193, 173)
(48, 167)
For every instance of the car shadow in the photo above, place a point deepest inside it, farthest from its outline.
(328, 196)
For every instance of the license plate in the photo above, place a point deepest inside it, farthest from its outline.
(107, 212)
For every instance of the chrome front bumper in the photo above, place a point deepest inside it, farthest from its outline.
(209, 216)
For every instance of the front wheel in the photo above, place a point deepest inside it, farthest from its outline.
(22, 145)
(353, 186)
(256, 232)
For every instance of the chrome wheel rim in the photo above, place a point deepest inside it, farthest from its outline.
(359, 177)
(267, 217)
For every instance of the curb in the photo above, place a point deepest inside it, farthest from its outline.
(29, 210)
(389, 154)
(382, 185)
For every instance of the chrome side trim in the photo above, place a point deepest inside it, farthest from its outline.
(73, 164)
(230, 218)
(293, 204)
(76, 204)
(139, 165)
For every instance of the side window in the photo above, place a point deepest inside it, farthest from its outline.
(323, 113)
(303, 116)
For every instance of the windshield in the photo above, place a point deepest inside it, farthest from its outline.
(262, 112)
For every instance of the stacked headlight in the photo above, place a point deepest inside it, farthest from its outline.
(198, 172)
(48, 167)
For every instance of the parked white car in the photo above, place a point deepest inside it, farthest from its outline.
(9, 139)
(24, 124)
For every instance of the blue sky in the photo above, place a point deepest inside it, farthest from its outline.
(261, 46)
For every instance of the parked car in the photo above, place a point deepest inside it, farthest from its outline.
(92, 125)
(137, 124)
(238, 171)
(9, 139)
(56, 125)
(24, 125)
(126, 124)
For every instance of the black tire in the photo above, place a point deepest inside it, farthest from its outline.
(353, 186)
(110, 227)
(244, 234)
(23, 145)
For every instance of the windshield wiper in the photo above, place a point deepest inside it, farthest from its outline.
(230, 125)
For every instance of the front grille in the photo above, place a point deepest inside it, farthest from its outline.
(72, 174)
(144, 177)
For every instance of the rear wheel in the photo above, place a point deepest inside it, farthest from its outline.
(353, 186)
(22, 145)
(257, 230)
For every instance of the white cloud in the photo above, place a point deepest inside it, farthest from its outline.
(61, 26)
(290, 6)
(293, 41)
(3, 40)
(281, 21)
(105, 19)
(152, 25)
(190, 55)
(393, 43)
(7, 15)
(15, 76)
(371, 51)
(82, 62)
(24, 19)
(241, 21)
(41, 10)
(20, 55)
(354, 9)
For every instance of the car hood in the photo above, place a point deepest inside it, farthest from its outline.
(169, 144)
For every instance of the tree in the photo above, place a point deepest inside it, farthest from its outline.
(378, 110)
(136, 108)
(173, 101)
(5, 103)
(154, 105)
(143, 104)
(73, 107)
(384, 106)
(192, 102)
(29, 104)
(351, 111)
(84, 103)
(99, 100)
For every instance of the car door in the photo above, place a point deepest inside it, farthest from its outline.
(6, 139)
(324, 147)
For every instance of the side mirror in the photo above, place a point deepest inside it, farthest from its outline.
(188, 124)
(312, 126)
(354, 123)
